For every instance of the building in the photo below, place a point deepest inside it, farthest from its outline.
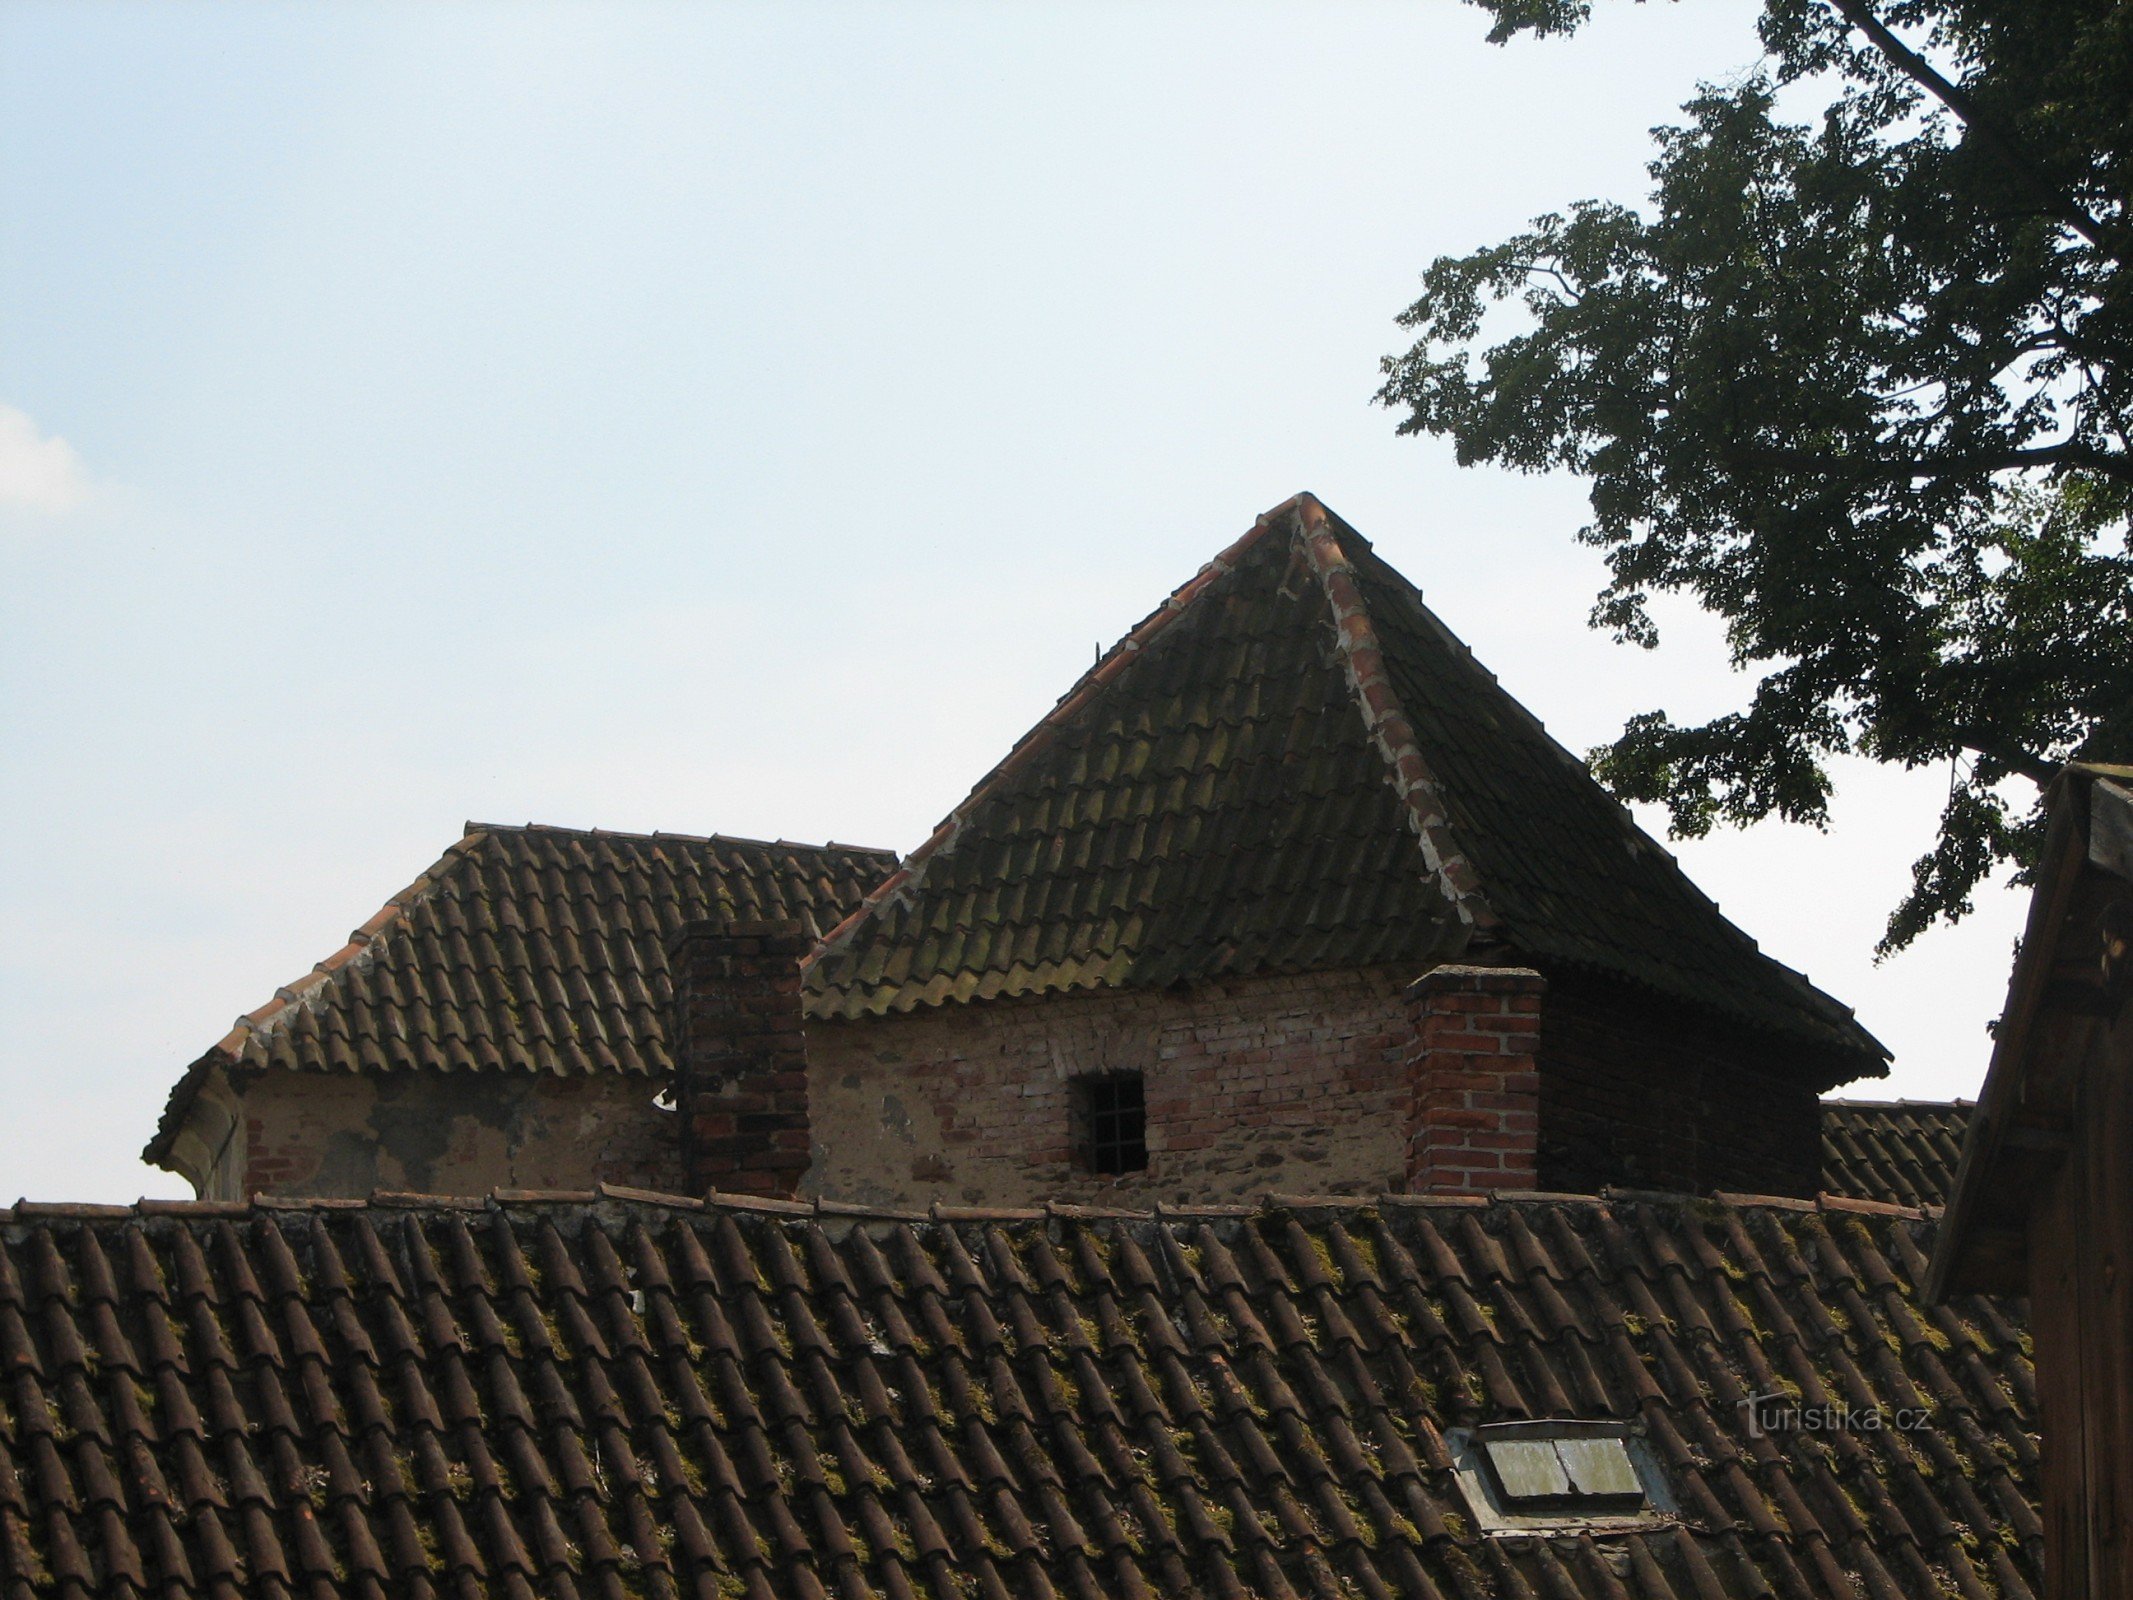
(1212, 927)
(1286, 894)
(500, 1023)
(2042, 1203)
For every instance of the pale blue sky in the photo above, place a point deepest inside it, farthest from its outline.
(731, 418)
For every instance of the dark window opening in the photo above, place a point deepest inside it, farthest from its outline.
(1111, 1123)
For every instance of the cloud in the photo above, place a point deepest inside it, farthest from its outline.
(37, 472)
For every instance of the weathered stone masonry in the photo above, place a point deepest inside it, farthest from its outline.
(346, 1134)
(1292, 1082)
(1465, 1081)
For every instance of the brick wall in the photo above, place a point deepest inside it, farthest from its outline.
(741, 1056)
(1476, 1118)
(1285, 1083)
(1645, 1094)
(340, 1135)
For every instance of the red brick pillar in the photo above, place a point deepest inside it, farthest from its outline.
(740, 1056)
(1476, 1119)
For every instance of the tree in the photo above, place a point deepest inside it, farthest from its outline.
(1859, 385)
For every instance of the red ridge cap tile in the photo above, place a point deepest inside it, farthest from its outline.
(1355, 640)
(1166, 1212)
(413, 1200)
(721, 1200)
(1079, 1213)
(655, 1197)
(198, 1208)
(1277, 1200)
(846, 1208)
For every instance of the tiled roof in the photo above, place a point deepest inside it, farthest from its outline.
(1903, 1151)
(1293, 764)
(620, 1395)
(530, 948)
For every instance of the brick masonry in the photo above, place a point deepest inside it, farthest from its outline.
(1475, 1124)
(1300, 1083)
(1289, 1083)
(741, 1054)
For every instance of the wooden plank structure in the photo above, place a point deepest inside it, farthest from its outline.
(2042, 1202)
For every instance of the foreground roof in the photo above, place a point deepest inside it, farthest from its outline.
(619, 1394)
(531, 949)
(1903, 1151)
(1293, 764)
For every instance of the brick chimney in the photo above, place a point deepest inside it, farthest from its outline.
(740, 1056)
(1475, 1124)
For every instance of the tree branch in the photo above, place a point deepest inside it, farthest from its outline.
(1922, 72)
(2069, 454)
(2035, 768)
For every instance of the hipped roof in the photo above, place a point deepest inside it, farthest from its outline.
(1291, 765)
(535, 949)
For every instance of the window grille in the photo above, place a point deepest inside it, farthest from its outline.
(1111, 1113)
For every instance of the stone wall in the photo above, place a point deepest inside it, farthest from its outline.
(1288, 1083)
(338, 1135)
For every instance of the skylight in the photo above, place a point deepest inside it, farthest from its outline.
(1570, 1474)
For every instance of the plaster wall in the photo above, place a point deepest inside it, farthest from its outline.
(338, 1135)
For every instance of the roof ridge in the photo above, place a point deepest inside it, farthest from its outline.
(501, 828)
(715, 1200)
(1362, 661)
(910, 873)
(1954, 1103)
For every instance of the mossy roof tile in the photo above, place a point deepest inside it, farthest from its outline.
(1901, 1151)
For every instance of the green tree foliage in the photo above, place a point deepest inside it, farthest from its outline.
(1858, 385)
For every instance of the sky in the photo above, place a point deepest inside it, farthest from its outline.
(742, 419)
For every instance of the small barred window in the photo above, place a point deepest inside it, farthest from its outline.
(1111, 1123)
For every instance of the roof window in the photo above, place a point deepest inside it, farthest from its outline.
(1521, 1477)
